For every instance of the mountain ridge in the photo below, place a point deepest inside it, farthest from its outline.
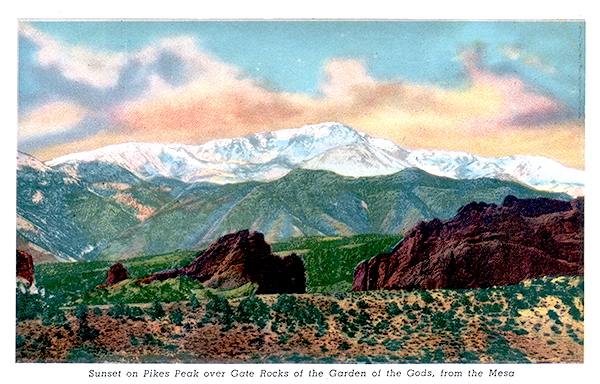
(331, 146)
(310, 203)
(317, 180)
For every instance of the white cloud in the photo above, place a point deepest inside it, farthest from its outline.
(100, 69)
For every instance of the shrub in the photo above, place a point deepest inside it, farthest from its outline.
(553, 315)
(156, 311)
(392, 309)
(149, 339)
(575, 313)
(392, 344)
(136, 313)
(289, 311)
(426, 297)
(87, 333)
(52, 314)
(253, 310)
(381, 326)
(438, 320)
(29, 306)
(481, 295)
(494, 308)
(363, 319)
(194, 302)
(335, 309)
(81, 311)
(286, 304)
(220, 309)
(118, 311)
(176, 317)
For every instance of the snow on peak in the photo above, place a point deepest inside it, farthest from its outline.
(25, 160)
(328, 146)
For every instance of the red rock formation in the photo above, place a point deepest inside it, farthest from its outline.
(238, 258)
(25, 267)
(116, 274)
(482, 246)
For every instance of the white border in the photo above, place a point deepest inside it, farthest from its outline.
(307, 9)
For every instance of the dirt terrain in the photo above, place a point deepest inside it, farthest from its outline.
(536, 321)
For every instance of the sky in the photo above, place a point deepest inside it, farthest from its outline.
(489, 88)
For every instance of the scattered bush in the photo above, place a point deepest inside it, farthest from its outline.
(150, 340)
(426, 297)
(393, 344)
(295, 314)
(253, 310)
(29, 306)
(87, 333)
(218, 308)
(118, 311)
(176, 317)
(156, 311)
(363, 319)
(392, 309)
(575, 313)
(381, 326)
(194, 302)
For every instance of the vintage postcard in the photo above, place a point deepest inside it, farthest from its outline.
(300, 191)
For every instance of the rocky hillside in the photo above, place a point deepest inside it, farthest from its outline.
(237, 259)
(484, 245)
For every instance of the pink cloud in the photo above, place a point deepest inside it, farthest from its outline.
(522, 105)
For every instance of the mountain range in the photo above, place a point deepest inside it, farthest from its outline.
(325, 179)
(328, 146)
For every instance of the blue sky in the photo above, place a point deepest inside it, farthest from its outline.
(418, 51)
(101, 81)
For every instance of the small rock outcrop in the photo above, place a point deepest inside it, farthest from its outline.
(116, 274)
(238, 258)
(26, 274)
(482, 246)
(25, 270)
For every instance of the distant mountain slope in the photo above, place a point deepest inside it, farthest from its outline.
(309, 203)
(71, 213)
(323, 179)
(327, 146)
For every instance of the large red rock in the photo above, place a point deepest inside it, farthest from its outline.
(238, 258)
(116, 274)
(25, 269)
(482, 246)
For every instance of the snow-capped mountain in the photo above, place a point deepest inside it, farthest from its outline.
(263, 157)
(327, 146)
(535, 171)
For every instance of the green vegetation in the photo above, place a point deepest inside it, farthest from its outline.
(330, 261)
(411, 326)
(331, 323)
(329, 264)
(253, 310)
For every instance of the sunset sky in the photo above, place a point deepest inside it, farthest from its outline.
(490, 88)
